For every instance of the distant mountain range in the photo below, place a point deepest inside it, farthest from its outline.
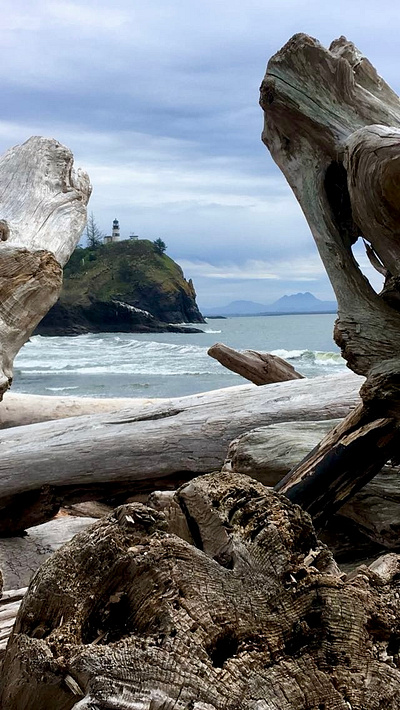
(296, 303)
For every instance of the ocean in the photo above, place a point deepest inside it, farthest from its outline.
(170, 364)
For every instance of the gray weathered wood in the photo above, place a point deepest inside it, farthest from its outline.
(42, 215)
(319, 109)
(139, 450)
(18, 409)
(269, 453)
(21, 557)
(333, 127)
(10, 603)
(252, 614)
(259, 368)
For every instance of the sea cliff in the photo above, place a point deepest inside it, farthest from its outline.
(125, 286)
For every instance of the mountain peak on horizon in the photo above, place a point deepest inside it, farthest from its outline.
(295, 303)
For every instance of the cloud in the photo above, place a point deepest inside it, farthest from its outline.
(159, 102)
(299, 269)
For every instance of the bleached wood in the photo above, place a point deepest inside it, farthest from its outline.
(259, 368)
(138, 448)
(42, 215)
(320, 106)
(333, 127)
(10, 603)
(19, 409)
(21, 557)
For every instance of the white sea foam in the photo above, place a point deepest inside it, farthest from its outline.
(61, 389)
(168, 364)
(328, 359)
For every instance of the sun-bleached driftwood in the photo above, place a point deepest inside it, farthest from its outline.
(333, 127)
(269, 453)
(319, 108)
(136, 450)
(42, 215)
(20, 409)
(9, 606)
(252, 613)
(21, 556)
(259, 368)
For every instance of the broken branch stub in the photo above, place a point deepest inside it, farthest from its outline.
(259, 368)
(42, 215)
(333, 127)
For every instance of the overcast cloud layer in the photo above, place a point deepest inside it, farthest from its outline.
(158, 101)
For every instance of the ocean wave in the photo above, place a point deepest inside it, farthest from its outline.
(61, 389)
(213, 331)
(316, 357)
(120, 370)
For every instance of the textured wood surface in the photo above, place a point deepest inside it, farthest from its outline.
(259, 368)
(18, 409)
(333, 127)
(269, 453)
(253, 613)
(42, 215)
(21, 557)
(320, 108)
(140, 449)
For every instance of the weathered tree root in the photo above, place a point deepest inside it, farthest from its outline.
(253, 613)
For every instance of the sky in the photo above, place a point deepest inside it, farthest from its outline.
(158, 100)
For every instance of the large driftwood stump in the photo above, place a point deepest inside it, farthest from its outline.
(333, 127)
(42, 215)
(252, 614)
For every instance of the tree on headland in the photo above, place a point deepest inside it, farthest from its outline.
(159, 246)
(94, 235)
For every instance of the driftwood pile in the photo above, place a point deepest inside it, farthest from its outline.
(218, 595)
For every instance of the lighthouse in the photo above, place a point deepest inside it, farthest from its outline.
(115, 236)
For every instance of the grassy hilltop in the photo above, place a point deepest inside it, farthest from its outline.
(123, 286)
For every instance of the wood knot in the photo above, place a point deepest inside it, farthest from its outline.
(4, 230)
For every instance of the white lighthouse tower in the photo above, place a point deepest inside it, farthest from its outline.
(115, 235)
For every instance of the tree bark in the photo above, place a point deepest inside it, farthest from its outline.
(259, 368)
(42, 215)
(252, 613)
(138, 450)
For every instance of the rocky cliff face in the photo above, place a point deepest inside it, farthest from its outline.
(122, 287)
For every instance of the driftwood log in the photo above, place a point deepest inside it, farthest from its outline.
(139, 450)
(9, 605)
(19, 409)
(269, 453)
(42, 215)
(253, 613)
(21, 557)
(259, 368)
(333, 127)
